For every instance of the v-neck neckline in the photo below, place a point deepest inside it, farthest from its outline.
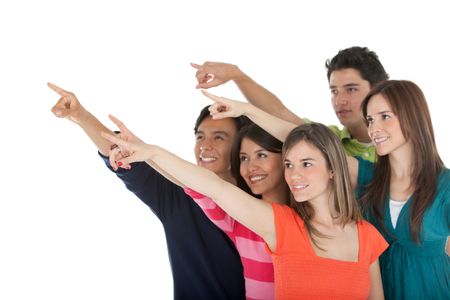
(400, 215)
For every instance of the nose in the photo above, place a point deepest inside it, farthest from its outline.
(205, 145)
(339, 99)
(252, 165)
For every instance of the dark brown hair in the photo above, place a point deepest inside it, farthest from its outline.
(408, 103)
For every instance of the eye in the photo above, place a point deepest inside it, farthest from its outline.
(262, 155)
(198, 137)
(369, 120)
(306, 164)
(218, 138)
(333, 92)
(352, 89)
(243, 158)
(288, 165)
(385, 116)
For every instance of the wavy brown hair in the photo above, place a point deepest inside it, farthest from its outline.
(343, 198)
(408, 103)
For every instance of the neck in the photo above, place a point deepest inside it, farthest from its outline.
(359, 133)
(400, 161)
(279, 195)
(324, 212)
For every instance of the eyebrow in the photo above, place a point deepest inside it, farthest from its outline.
(214, 132)
(301, 160)
(346, 85)
(257, 151)
(381, 112)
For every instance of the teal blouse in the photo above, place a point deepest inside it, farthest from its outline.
(410, 270)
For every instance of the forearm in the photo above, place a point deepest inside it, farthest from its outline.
(251, 212)
(277, 127)
(264, 99)
(93, 129)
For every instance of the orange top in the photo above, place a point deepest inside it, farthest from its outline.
(301, 274)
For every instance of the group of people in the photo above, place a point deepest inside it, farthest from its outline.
(280, 207)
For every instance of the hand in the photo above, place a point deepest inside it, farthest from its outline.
(224, 107)
(212, 74)
(127, 147)
(68, 105)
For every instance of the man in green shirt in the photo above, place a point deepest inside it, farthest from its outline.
(351, 74)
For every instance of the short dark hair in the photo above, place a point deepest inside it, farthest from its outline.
(204, 113)
(361, 59)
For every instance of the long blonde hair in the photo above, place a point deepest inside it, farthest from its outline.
(343, 198)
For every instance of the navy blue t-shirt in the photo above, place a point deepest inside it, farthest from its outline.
(205, 263)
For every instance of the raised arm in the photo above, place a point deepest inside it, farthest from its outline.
(70, 108)
(225, 108)
(211, 74)
(251, 212)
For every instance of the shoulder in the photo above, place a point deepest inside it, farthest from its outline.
(373, 243)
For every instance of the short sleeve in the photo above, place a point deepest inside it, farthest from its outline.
(375, 243)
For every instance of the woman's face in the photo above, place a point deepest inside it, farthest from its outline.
(262, 170)
(384, 126)
(306, 172)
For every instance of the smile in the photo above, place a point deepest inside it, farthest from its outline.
(207, 159)
(257, 178)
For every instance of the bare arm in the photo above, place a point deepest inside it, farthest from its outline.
(253, 213)
(212, 74)
(376, 286)
(226, 108)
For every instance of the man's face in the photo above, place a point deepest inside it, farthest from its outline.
(348, 90)
(213, 141)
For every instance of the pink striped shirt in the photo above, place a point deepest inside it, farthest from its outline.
(257, 263)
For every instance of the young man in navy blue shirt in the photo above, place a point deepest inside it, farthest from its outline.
(204, 261)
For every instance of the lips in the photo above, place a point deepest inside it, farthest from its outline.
(343, 112)
(379, 140)
(299, 187)
(257, 178)
(207, 159)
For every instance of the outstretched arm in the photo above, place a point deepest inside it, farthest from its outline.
(70, 108)
(211, 74)
(226, 108)
(253, 213)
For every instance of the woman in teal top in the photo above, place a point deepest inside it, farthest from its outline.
(408, 172)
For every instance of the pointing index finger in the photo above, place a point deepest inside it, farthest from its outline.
(57, 89)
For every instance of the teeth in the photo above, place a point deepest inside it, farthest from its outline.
(300, 186)
(208, 159)
(257, 178)
(380, 140)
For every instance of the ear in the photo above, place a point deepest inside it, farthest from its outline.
(331, 174)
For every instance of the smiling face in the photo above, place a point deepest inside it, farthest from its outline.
(306, 172)
(262, 170)
(348, 90)
(213, 141)
(384, 126)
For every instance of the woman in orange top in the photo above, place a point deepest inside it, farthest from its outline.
(321, 247)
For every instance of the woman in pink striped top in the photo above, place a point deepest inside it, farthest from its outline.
(256, 164)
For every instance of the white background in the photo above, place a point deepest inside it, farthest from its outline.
(68, 228)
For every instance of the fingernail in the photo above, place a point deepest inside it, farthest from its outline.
(119, 163)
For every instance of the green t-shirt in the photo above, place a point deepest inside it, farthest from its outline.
(352, 147)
